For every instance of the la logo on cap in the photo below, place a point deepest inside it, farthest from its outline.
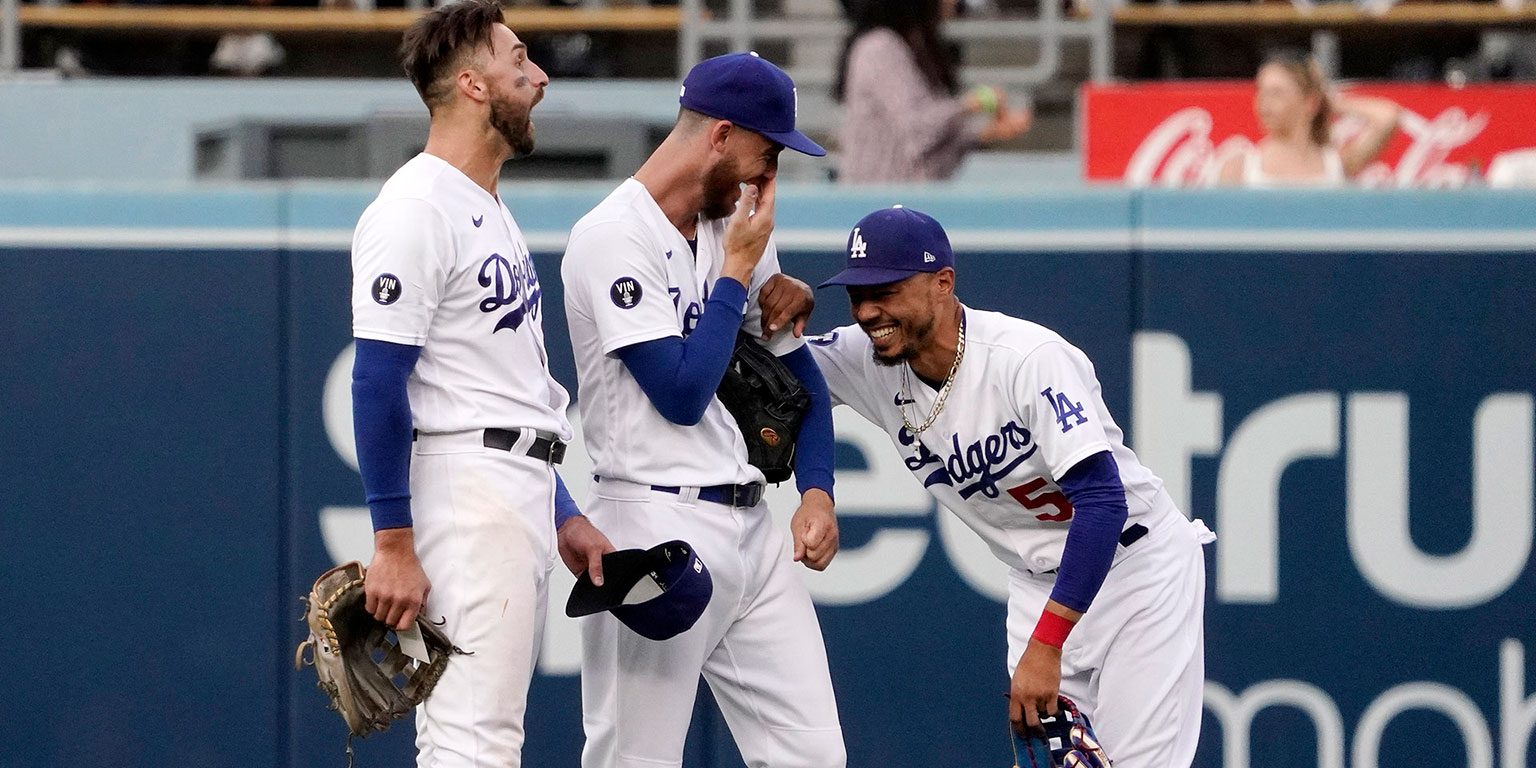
(891, 245)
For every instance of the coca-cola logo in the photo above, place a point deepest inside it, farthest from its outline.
(1180, 152)
(1424, 163)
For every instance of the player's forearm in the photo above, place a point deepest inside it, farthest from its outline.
(1099, 514)
(565, 506)
(381, 421)
(814, 446)
(680, 376)
(737, 267)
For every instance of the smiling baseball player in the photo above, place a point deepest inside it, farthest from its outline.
(658, 279)
(458, 421)
(1003, 422)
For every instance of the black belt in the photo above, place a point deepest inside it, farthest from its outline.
(546, 447)
(731, 495)
(1128, 537)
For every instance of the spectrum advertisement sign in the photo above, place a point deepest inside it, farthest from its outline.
(1355, 422)
(1368, 472)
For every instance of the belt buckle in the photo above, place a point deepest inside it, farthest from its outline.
(556, 451)
(742, 495)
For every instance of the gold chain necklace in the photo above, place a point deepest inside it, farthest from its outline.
(938, 402)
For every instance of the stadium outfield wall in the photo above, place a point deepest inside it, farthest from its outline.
(1339, 383)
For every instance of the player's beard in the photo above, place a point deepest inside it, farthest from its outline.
(721, 184)
(510, 119)
(915, 336)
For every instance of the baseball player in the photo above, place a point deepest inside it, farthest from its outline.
(1003, 422)
(658, 279)
(458, 421)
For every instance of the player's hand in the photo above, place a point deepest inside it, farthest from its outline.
(747, 231)
(785, 300)
(396, 587)
(814, 528)
(1036, 683)
(582, 547)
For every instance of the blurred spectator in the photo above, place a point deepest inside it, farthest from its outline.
(1515, 168)
(248, 54)
(567, 54)
(1296, 108)
(902, 117)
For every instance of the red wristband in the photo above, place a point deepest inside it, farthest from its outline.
(1053, 629)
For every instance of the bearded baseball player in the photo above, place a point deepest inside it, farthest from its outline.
(458, 421)
(1003, 422)
(660, 278)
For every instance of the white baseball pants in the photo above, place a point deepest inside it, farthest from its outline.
(484, 528)
(758, 644)
(1135, 663)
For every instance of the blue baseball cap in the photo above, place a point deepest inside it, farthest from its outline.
(893, 244)
(751, 92)
(658, 592)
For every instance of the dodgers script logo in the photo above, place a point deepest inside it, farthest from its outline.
(975, 467)
(511, 283)
(689, 317)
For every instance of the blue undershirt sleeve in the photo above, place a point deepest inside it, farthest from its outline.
(814, 446)
(565, 506)
(680, 375)
(1099, 513)
(381, 423)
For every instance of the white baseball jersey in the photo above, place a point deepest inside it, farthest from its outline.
(439, 263)
(631, 277)
(1024, 408)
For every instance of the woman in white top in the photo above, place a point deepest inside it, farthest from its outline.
(1294, 106)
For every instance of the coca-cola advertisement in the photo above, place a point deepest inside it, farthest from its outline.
(1180, 134)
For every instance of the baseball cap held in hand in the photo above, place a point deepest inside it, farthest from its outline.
(658, 592)
(751, 92)
(893, 244)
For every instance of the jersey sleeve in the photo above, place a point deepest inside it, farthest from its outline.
(613, 273)
(837, 355)
(1057, 397)
(785, 341)
(401, 255)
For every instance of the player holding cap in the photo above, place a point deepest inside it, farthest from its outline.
(458, 421)
(658, 279)
(1003, 421)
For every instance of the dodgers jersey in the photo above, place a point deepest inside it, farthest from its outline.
(631, 277)
(1024, 408)
(439, 263)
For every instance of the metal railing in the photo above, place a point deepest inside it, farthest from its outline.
(740, 30)
(10, 36)
(331, 16)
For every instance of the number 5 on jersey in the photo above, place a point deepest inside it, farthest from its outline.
(1031, 496)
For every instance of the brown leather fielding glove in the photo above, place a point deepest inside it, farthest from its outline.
(344, 641)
